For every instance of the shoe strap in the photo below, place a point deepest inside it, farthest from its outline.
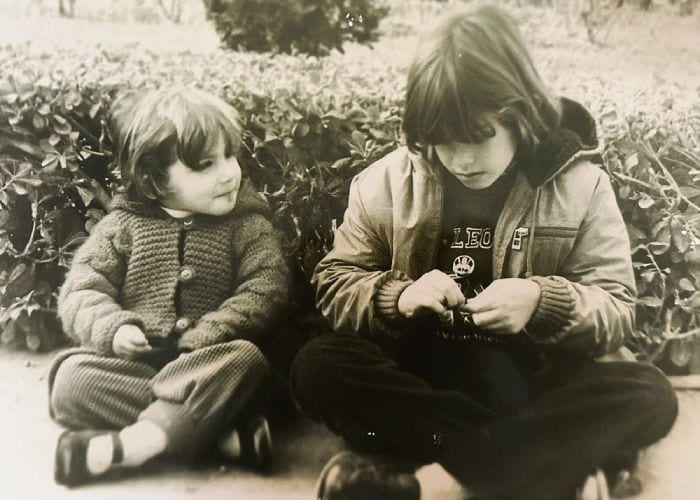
(117, 449)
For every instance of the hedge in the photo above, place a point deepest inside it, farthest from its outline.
(307, 134)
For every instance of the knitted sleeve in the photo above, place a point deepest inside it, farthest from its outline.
(87, 302)
(261, 291)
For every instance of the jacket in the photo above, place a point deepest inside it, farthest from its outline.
(560, 226)
(194, 282)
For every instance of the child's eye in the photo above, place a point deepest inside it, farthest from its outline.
(204, 164)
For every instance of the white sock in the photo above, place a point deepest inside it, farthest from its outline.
(99, 454)
(142, 441)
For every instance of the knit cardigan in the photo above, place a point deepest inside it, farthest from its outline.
(193, 282)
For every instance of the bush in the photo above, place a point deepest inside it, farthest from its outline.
(308, 26)
(306, 135)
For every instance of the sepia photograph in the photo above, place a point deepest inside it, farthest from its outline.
(349, 249)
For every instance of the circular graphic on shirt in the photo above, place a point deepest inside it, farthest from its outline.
(463, 265)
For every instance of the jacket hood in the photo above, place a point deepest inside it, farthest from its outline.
(574, 138)
(249, 201)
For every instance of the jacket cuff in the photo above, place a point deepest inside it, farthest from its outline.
(554, 309)
(106, 330)
(386, 298)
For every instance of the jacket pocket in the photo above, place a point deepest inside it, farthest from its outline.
(551, 247)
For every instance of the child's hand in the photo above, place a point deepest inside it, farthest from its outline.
(505, 306)
(434, 291)
(129, 342)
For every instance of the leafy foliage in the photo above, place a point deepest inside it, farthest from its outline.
(308, 26)
(306, 136)
(657, 170)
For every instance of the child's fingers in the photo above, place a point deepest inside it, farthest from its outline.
(446, 289)
(447, 319)
(139, 347)
(136, 336)
(139, 340)
(487, 319)
(478, 305)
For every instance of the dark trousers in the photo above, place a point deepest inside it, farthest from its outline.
(502, 423)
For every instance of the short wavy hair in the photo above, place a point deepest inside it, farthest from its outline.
(470, 69)
(153, 129)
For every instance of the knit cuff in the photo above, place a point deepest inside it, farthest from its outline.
(106, 328)
(554, 309)
(386, 298)
(203, 335)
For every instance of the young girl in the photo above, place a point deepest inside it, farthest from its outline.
(171, 298)
(478, 276)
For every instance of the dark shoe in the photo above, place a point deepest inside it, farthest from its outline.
(256, 444)
(625, 484)
(70, 466)
(351, 476)
(249, 444)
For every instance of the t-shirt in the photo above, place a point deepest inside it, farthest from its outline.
(468, 223)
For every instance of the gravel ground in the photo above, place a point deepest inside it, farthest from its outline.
(27, 438)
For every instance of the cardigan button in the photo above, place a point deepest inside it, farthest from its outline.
(182, 324)
(186, 274)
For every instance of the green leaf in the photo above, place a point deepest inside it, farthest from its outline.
(690, 192)
(680, 237)
(649, 301)
(9, 332)
(645, 201)
(686, 284)
(301, 129)
(632, 161)
(94, 109)
(19, 189)
(85, 195)
(61, 125)
(21, 280)
(39, 121)
(33, 340)
(679, 353)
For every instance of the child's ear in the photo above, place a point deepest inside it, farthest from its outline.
(147, 184)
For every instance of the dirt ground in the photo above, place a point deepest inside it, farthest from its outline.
(27, 439)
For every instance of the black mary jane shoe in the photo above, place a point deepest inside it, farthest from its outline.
(256, 444)
(70, 464)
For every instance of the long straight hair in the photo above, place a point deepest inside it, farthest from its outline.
(470, 69)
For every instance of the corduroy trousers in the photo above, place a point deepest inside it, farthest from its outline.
(503, 425)
(193, 397)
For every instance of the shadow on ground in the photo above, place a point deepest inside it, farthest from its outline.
(27, 438)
